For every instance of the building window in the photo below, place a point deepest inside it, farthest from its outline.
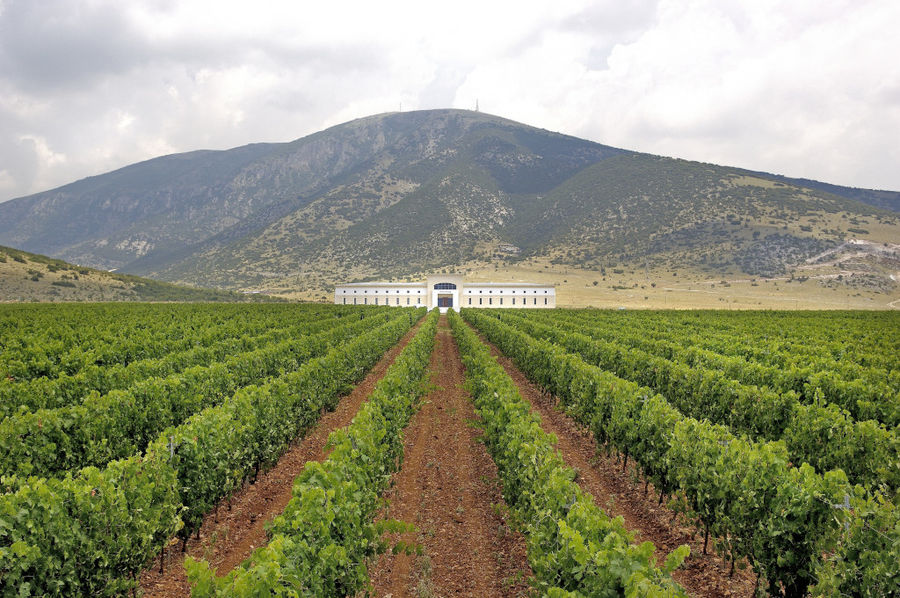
(354, 301)
(398, 300)
(445, 286)
(514, 300)
(470, 301)
(490, 300)
(479, 301)
(345, 301)
(501, 299)
(376, 300)
(365, 300)
(545, 301)
(535, 300)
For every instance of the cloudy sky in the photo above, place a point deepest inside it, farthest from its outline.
(807, 88)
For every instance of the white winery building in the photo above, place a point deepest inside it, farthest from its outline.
(446, 291)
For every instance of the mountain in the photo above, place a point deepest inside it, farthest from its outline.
(889, 200)
(27, 276)
(397, 195)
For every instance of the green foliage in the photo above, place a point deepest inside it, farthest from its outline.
(122, 422)
(321, 542)
(782, 518)
(56, 354)
(574, 548)
(866, 563)
(86, 535)
(89, 533)
(252, 428)
(703, 385)
(828, 438)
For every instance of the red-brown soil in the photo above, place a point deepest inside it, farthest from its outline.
(447, 487)
(225, 541)
(617, 493)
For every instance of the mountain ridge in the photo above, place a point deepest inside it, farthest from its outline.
(399, 194)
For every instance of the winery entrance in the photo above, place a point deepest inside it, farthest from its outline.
(445, 293)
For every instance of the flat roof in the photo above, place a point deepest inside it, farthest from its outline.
(422, 284)
(381, 284)
(508, 284)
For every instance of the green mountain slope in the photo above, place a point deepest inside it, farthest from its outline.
(401, 194)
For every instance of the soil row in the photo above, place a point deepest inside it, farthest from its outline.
(236, 527)
(620, 493)
(448, 488)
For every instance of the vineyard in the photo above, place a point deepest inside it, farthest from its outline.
(728, 453)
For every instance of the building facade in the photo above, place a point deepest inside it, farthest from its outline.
(446, 291)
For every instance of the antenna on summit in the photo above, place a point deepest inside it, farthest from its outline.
(476, 104)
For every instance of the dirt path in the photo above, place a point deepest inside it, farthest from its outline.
(615, 492)
(227, 542)
(447, 488)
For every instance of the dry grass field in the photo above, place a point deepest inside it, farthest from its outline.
(24, 279)
(667, 289)
(686, 289)
(28, 277)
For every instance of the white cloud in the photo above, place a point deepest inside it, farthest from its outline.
(803, 88)
(808, 93)
(7, 182)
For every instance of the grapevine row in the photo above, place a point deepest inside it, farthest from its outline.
(122, 422)
(832, 341)
(745, 493)
(203, 348)
(820, 434)
(858, 390)
(320, 544)
(119, 334)
(91, 533)
(574, 548)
